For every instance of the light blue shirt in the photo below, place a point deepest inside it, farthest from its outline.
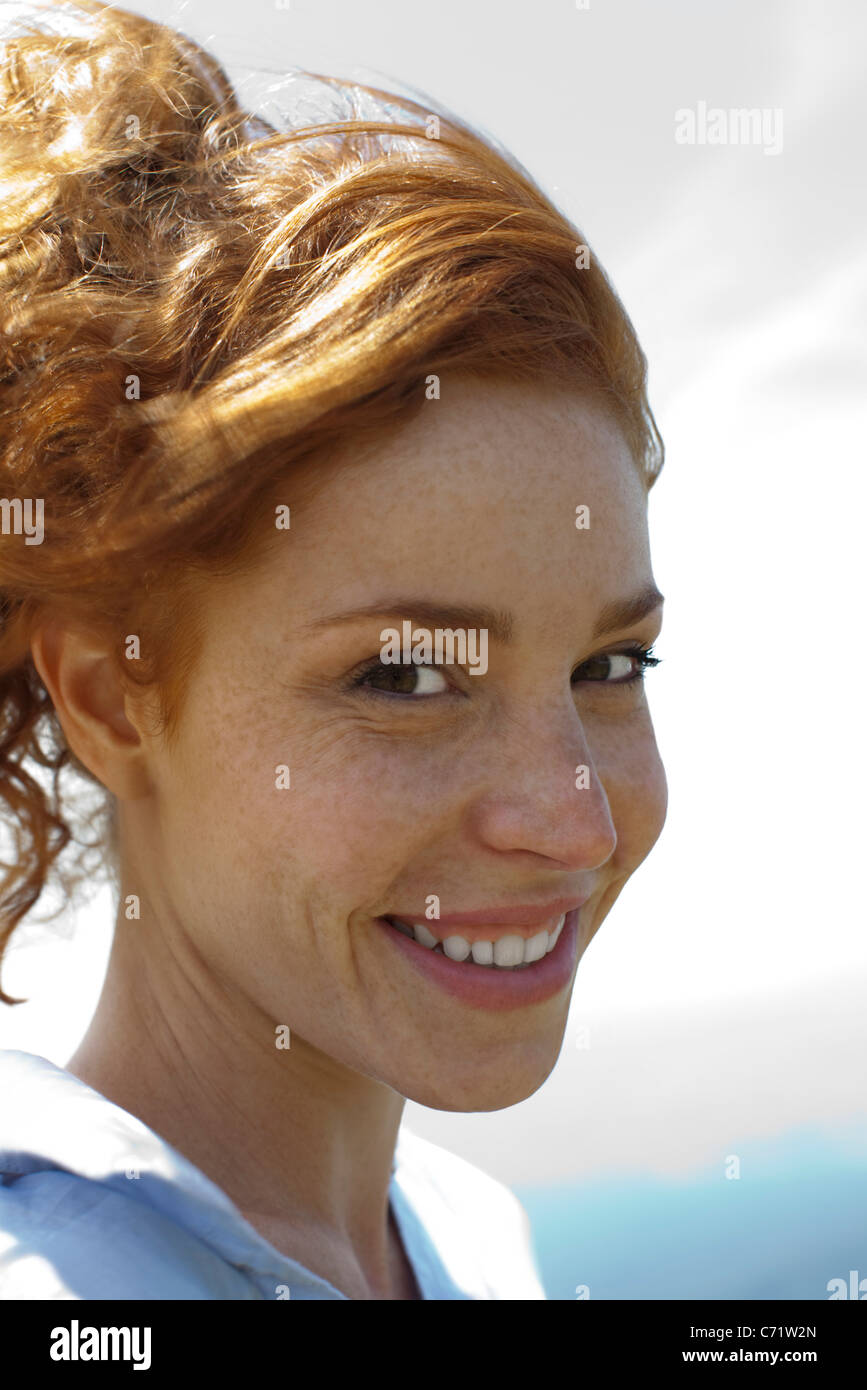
(94, 1204)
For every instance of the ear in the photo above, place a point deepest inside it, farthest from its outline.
(93, 705)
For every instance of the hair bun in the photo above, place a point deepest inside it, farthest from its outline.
(97, 106)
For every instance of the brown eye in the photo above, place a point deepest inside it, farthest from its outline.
(616, 668)
(411, 679)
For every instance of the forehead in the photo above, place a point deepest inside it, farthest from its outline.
(489, 446)
(470, 505)
(472, 501)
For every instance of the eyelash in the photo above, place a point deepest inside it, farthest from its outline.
(644, 656)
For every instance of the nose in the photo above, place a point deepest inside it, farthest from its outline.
(544, 795)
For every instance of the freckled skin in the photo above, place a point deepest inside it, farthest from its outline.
(258, 904)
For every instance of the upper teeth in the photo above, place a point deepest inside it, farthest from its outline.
(507, 952)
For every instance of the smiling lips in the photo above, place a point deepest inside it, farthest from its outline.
(489, 942)
(510, 952)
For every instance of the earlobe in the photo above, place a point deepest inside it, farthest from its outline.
(92, 703)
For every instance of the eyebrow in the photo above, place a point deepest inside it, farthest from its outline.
(499, 623)
(625, 612)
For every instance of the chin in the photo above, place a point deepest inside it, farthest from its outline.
(462, 1088)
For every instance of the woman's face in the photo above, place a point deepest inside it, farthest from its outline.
(413, 787)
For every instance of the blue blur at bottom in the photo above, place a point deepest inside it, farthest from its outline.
(792, 1222)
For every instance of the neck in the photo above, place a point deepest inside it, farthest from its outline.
(301, 1144)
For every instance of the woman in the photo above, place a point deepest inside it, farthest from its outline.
(343, 604)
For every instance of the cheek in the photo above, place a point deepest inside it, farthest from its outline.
(637, 792)
(352, 810)
(359, 810)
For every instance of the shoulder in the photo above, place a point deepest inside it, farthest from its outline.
(483, 1214)
(63, 1236)
(95, 1205)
